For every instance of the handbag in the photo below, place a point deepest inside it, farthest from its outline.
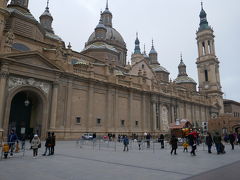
(39, 146)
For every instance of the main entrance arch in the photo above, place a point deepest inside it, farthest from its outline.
(27, 110)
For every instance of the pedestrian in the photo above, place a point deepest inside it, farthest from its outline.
(193, 143)
(12, 138)
(35, 143)
(47, 145)
(5, 150)
(148, 138)
(238, 139)
(174, 142)
(53, 142)
(185, 145)
(209, 142)
(125, 143)
(232, 139)
(217, 140)
(139, 143)
(161, 139)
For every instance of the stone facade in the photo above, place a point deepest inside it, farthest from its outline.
(94, 90)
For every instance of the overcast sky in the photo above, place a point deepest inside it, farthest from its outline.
(171, 23)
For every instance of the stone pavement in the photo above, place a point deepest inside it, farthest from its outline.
(108, 161)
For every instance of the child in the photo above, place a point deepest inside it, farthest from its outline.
(185, 146)
(35, 145)
(5, 150)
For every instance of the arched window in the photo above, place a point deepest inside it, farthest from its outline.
(206, 75)
(203, 48)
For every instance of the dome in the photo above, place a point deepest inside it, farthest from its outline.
(160, 69)
(112, 35)
(153, 51)
(184, 79)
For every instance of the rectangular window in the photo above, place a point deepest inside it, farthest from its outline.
(206, 75)
(78, 120)
(98, 121)
(136, 123)
(122, 122)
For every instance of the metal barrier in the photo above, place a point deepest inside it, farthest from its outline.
(14, 149)
(114, 145)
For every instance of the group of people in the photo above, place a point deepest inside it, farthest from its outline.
(191, 139)
(13, 144)
(50, 144)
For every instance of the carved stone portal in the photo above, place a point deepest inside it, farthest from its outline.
(14, 82)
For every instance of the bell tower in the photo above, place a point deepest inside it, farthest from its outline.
(207, 63)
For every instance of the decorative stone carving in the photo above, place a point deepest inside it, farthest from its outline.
(9, 38)
(4, 74)
(165, 123)
(14, 82)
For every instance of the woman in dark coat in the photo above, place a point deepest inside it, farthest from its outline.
(161, 139)
(174, 142)
(209, 142)
(192, 143)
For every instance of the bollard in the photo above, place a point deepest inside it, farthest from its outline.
(153, 146)
(99, 144)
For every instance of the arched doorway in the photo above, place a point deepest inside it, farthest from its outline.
(26, 114)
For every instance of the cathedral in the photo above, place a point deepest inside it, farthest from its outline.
(47, 86)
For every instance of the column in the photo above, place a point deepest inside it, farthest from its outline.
(116, 118)
(154, 113)
(199, 49)
(54, 105)
(3, 81)
(89, 124)
(108, 110)
(143, 113)
(206, 47)
(68, 118)
(130, 107)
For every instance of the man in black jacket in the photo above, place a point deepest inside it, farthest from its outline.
(231, 139)
(48, 145)
(53, 142)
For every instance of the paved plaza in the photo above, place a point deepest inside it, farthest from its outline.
(107, 161)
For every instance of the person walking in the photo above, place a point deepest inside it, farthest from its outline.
(53, 143)
(192, 143)
(217, 140)
(139, 143)
(47, 145)
(232, 139)
(148, 138)
(12, 138)
(209, 142)
(35, 143)
(125, 143)
(174, 142)
(161, 139)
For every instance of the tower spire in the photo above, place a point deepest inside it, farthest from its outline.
(203, 19)
(137, 49)
(107, 5)
(46, 19)
(47, 4)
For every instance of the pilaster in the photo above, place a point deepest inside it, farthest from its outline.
(54, 105)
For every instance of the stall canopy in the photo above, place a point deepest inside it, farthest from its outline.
(180, 124)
